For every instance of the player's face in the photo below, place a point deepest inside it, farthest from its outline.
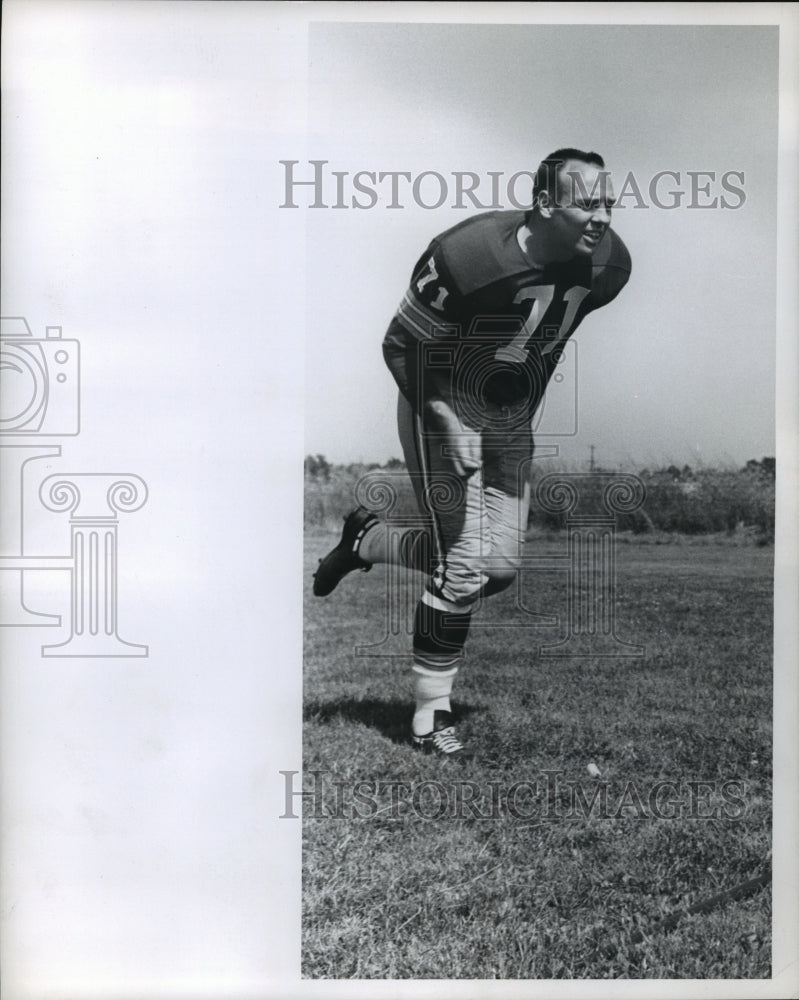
(581, 216)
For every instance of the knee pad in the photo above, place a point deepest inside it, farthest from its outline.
(499, 579)
(460, 585)
(465, 587)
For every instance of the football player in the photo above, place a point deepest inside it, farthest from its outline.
(472, 347)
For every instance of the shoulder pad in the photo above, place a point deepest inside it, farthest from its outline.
(482, 249)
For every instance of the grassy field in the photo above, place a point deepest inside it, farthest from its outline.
(522, 864)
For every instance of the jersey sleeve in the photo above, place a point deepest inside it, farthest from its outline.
(428, 310)
(612, 267)
(400, 352)
(430, 305)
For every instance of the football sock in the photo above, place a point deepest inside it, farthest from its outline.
(440, 630)
(411, 548)
(431, 690)
(374, 544)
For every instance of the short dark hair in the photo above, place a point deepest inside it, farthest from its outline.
(546, 176)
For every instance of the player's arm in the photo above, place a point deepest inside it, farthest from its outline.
(401, 353)
(612, 269)
(440, 418)
(462, 445)
(428, 313)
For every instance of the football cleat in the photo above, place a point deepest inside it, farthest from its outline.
(344, 557)
(442, 741)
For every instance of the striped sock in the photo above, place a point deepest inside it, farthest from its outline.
(431, 689)
(410, 548)
(440, 631)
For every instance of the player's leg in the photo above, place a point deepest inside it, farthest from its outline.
(479, 526)
(507, 515)
(507, 463)
(366, 539)
(455, 507)
(481, 538)
(481, 533)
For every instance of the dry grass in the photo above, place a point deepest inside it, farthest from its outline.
(537, 887)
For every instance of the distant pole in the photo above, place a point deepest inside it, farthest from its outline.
(591, 463)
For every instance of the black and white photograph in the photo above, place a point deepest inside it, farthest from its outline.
(538, 661)
(398, 484)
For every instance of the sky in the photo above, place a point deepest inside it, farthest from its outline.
(681, 367)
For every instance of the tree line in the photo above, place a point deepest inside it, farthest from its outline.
(682, 500)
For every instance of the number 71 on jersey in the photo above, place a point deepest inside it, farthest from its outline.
(516, 351)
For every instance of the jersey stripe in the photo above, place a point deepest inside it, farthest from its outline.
(418, 319)
(442, 604)
(421, 451)
(441, 666)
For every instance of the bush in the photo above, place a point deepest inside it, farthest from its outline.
(676, 500)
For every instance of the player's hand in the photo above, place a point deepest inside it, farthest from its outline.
(461, 444)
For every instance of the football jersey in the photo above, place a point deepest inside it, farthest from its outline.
(480, 318)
